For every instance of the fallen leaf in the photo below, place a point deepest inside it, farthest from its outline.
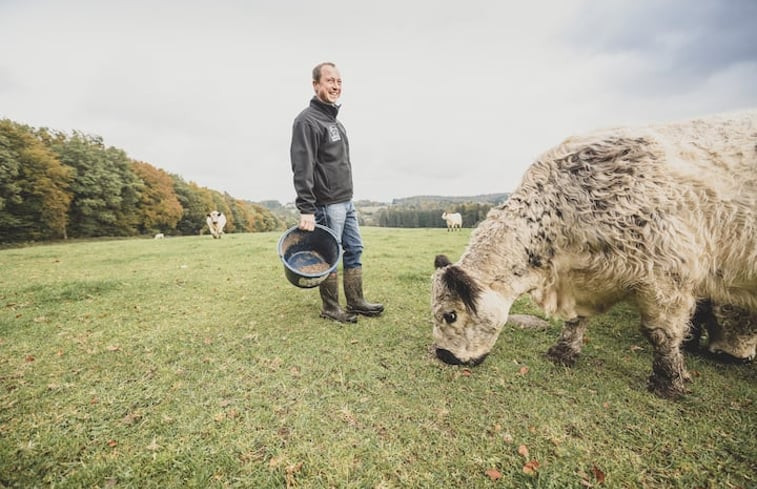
(131, 419)
(112, 443)
(153, 446)
(275, 461)
(598, 474)
(606, 405)
(290, 472)
(523, 451)
(29, 358)
(523, 371)
(507, 438)
(467, 372)
(531, 467)
(493, 474)
(113, 348)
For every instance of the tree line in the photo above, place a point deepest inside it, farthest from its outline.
(55, 185)
(429, 215)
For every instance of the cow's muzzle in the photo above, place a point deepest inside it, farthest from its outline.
(449, 358)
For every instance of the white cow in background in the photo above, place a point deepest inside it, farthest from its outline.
(160, 236)
(454, 221)
(216, 222)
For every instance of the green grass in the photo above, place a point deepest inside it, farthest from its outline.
(192, 362)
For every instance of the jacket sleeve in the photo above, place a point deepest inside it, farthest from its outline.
(302, 154)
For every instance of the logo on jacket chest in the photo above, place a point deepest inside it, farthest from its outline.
(334, 133)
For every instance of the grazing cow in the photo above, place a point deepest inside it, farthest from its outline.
(454, 221)
(731, 331)
(216, 222)
(159, 236)
(661, 216)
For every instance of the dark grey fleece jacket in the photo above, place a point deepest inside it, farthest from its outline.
(320, 155)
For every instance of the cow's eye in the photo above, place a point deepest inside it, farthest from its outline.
(450, 317)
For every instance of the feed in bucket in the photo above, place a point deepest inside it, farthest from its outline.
(309, 256)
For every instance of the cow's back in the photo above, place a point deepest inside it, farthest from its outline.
(634, 203)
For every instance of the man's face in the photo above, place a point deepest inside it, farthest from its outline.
(329, 87)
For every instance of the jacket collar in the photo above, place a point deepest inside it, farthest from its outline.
(330, 109)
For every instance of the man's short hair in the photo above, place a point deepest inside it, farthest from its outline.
(317, 70)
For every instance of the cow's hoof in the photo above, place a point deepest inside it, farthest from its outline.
(561, 354)
(665, 388)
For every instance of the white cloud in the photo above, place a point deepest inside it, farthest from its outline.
(439, 97)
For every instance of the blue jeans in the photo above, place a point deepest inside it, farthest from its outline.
(342, 219)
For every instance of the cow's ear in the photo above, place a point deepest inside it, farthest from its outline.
(441, 261)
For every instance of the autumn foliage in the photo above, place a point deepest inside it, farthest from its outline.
(55, 185)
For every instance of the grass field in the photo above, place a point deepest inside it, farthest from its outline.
(192, 362)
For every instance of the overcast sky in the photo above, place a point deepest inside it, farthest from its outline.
(439, 98)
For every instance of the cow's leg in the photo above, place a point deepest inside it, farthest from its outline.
(568, 347)
(666, 333)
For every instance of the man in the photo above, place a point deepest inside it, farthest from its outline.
(320, 155)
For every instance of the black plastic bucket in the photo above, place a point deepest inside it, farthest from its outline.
(309, 256)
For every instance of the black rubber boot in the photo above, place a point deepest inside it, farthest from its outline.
(329, 290)
(353, 289)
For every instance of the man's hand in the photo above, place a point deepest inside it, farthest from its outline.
(307, 222)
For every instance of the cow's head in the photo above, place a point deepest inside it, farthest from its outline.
(467, 315)
(734, 333)
(215, 216)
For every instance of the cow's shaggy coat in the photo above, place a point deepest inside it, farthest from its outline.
(659, 215)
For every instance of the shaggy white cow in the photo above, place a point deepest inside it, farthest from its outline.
(731, 331)
(159, 236)
(454, 221)
(661, 216)
(216, 222)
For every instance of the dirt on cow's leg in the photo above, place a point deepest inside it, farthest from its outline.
(568, 347)
(668, 371)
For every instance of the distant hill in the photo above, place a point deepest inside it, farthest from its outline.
(491, 199)
(416, 211)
